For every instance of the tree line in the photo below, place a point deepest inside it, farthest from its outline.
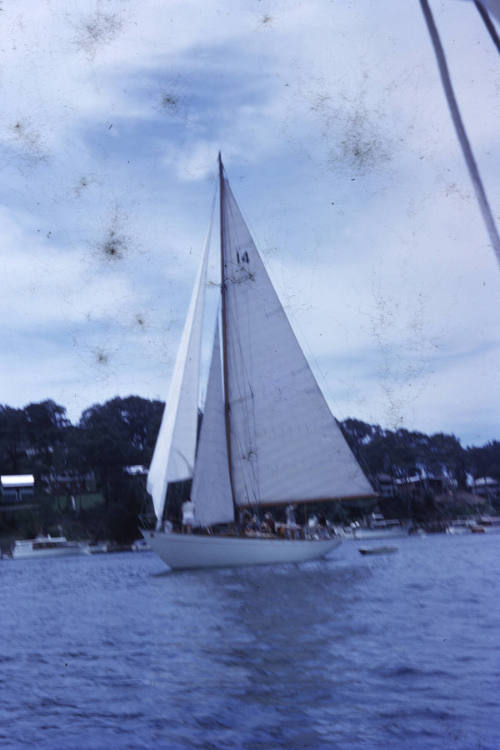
(39, 439)
(403, 453)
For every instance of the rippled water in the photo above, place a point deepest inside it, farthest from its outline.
(400, 651)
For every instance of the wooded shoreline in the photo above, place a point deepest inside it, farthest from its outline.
(84, 485)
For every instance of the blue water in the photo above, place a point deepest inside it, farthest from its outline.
(401, 651)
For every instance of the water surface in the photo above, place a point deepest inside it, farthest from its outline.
(401, 651)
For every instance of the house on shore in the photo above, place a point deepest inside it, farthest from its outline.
(16, 490)
(486, 487)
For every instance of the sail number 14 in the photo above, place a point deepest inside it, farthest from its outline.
(244, 258)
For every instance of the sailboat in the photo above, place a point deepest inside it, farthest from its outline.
(267, 437)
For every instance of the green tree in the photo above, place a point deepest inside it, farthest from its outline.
(116, 434)
(484, 461)
(47, 425)
(445, 455)
(13, 439)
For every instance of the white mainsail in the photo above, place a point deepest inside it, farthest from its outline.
(211, 490)
(285, 443)
(174, 454)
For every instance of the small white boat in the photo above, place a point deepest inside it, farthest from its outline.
(267, 437)
(392, 532)
(100, 548)
(48, 546)
(380, 528)
(458, 527)
(140, 545)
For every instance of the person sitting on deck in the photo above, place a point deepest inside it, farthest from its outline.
(322, 526)
(269, 526)
(251, 524)
(245, 521)
(187, 516)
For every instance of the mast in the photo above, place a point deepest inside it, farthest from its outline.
(224, 334)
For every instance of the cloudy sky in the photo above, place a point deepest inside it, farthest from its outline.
(339, 147)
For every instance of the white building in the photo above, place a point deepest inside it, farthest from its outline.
(17, 487)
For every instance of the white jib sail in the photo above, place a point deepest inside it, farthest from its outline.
(211, 490)
(285, 443)
(173, 457)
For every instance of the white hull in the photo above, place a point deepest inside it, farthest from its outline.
(392, 533)
(455, 530)
(190, 551)
(35, 549)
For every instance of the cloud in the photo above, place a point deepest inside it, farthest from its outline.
(340, 149)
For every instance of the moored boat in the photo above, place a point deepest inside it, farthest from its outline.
(47, 546)
(388, 532)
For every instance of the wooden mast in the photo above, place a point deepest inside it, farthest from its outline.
(224, 334)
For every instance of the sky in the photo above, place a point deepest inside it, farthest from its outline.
(339, 147)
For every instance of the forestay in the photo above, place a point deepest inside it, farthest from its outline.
(285, 443)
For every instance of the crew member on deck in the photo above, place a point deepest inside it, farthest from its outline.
(187, 516)
(269, 526)
(291, 523)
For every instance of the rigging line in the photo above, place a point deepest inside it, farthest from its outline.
(488, 23)
(460, 129)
